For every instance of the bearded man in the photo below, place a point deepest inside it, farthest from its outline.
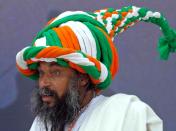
(74, 58)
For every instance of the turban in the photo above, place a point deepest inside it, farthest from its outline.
(84, 42)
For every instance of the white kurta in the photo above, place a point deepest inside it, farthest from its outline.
(119, 112)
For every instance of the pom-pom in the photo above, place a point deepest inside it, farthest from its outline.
(167, 44)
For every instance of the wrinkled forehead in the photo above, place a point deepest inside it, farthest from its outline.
(53, 65)
(48, 63)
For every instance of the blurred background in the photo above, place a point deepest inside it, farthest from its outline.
(142, 73)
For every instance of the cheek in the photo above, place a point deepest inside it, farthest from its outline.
(60, 86)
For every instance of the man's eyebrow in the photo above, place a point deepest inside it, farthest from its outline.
(53, 64)
(50, 65)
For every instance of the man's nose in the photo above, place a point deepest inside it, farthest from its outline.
(44, 81)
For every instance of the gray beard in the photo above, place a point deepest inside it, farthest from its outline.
(62, 113)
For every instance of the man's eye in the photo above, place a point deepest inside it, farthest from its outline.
(56, 73)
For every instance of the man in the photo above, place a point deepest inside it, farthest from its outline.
(74, 58)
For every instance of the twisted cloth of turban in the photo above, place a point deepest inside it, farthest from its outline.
(84, 42)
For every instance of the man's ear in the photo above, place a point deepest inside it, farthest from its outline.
(83, 80)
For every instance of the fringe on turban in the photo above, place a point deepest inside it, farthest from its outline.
(84, 42)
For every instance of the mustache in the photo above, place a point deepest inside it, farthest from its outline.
(46, 92)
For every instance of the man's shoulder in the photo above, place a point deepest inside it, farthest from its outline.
(123, 111)
(121, 98)
(122, 102)
(129, 104)
(127, 107)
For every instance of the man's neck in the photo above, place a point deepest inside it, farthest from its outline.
(89, 95)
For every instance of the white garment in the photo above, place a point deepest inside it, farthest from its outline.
(119, 112)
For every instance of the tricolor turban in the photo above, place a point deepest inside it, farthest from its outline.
(84, 42)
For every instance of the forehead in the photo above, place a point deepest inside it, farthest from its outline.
(43, 63)
(49, 65)
(53, 65)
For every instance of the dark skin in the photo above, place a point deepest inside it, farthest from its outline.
(57, 78)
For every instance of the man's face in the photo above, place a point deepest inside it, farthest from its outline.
(56, 100)
(55, 78)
